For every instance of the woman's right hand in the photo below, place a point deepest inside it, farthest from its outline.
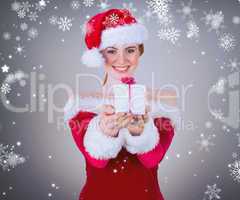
(111, 122)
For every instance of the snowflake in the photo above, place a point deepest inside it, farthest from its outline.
(33, 16)
(218, 114)
(23, 26)
(5, 88)
(130, 7)
(160, 7)
(9, 159)
(234, 155)
(15, 6)
(219, 87)
(19, 49)
(103, 5)
(186, 10)
(205, 142)
(32, 33)
(40, 6)
(26, 6)
(75, 5)
(169, 34)
(64, 23)
(227, 42)
(234, 169)
(111, 20)
(214, 21)
(233, 64)
(148, 14)
(165, 20)
(193, 30)
(21, 13)
(236, 20)
(6, 36)
(88, 3)
(213, 192)
(53, 20)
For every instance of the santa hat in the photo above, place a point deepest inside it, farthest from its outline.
(114, 26)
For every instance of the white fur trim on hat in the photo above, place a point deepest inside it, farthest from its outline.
(143, 143)
(93, 58)
(125, 34)
(99, 145)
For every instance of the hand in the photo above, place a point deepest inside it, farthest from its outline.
(111, 122)
(136, 126)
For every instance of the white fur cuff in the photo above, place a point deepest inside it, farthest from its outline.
(143, 143)
(98, 145)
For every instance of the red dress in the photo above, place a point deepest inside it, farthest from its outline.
(122, 171)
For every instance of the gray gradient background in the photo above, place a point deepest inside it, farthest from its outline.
(169, 64)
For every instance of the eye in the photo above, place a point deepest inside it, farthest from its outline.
(111, 51)
(131, 50)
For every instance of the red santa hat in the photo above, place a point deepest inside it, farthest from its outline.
(114, 26)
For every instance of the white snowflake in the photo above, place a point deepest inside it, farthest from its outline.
(15, 6)
(130, 7)
(21, 13)
(64, 23)
(32, 33)
(166, 20)
(219, 87)
(193, 30)
(19, 49)
(75, 5)
(111, 20)
(88, 3)
(214, 21)
(148, 14)
(213, 192)
(40, 7)
(170, 34)
(53, 20)
(8, 158)
(33, 16)
(236, 20)
(6, 36)
(103, 5)
(233, 64)
(187, 9)
(227, 42)
(5, 88)
(205, 143)
(160, 7)
(217, 114)
(26, 6)
(23, 26)
(234, 169)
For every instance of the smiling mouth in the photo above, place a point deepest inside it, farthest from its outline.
(121, 69)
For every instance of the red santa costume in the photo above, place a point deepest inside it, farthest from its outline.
(122, 167)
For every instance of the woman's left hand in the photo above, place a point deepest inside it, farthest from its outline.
(136, 126)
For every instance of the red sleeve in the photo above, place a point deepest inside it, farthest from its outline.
(78, 125)
(166, 132)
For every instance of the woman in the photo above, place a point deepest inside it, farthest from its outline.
(122, 151)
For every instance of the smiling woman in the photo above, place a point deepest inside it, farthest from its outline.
(116, 145)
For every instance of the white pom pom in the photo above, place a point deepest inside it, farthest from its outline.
(93, 58)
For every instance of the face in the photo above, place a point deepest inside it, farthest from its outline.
(121, 60)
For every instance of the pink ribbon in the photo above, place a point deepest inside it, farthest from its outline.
(128, 80)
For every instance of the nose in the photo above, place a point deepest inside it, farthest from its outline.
(121, 60)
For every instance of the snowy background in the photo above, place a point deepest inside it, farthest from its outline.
(193, 45)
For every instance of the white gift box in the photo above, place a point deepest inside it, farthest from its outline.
(129, 98)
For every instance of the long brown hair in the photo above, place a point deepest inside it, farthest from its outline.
(141, 49)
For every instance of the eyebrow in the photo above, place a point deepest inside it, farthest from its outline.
(126, 47)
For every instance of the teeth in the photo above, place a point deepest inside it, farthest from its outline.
(121, 68)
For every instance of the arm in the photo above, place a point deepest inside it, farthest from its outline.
(153, 143)
(96, 147)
